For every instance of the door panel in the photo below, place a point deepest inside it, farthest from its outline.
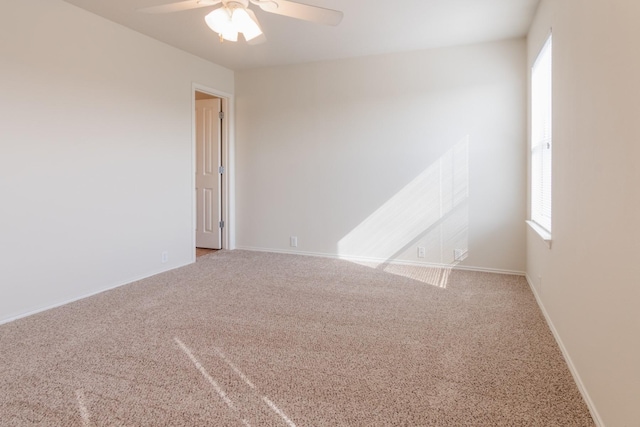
(208, 140)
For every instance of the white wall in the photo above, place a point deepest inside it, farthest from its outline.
(588, 281)
(95, 154)
(372, 157)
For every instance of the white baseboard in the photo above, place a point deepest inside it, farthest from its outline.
(255, 249)
(87, 295)
(574, 372)
(383, 261)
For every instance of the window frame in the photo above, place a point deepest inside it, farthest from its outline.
(541, 147)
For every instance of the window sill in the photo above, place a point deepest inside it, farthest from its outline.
(544, 234)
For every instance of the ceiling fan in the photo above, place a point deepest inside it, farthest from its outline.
(234, 16)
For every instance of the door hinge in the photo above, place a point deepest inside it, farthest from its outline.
(220, 170)
(221, 115)
(221, 224)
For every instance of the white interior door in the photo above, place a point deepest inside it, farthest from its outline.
(208, 206)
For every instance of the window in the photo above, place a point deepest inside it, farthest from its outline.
(541, 139)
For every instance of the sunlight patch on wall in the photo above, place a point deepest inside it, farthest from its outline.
(429, 212)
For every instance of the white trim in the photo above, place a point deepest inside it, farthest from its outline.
(90, 294)
(228, 159)
(540, 155)
(574, 372)
(543, 233)
(383, 261)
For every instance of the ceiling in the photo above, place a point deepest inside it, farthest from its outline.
(392, 26)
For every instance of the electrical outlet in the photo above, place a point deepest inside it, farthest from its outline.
(165, 257)
(293, 241)
(421, 252)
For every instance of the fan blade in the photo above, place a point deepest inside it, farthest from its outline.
(301, 11)
(258, 40)
(179, 6)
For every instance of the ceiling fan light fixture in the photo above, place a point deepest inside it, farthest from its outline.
(233, 16)
(231, 36)
(220, 22)
(245, 22)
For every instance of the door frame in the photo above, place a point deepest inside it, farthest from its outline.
(227, 198)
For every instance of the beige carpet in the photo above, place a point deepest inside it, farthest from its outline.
(255, 339)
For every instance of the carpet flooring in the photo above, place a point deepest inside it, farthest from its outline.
(244, 338)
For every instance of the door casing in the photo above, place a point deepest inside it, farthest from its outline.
(227, 156)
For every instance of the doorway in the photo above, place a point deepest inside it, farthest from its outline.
(210, 142)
